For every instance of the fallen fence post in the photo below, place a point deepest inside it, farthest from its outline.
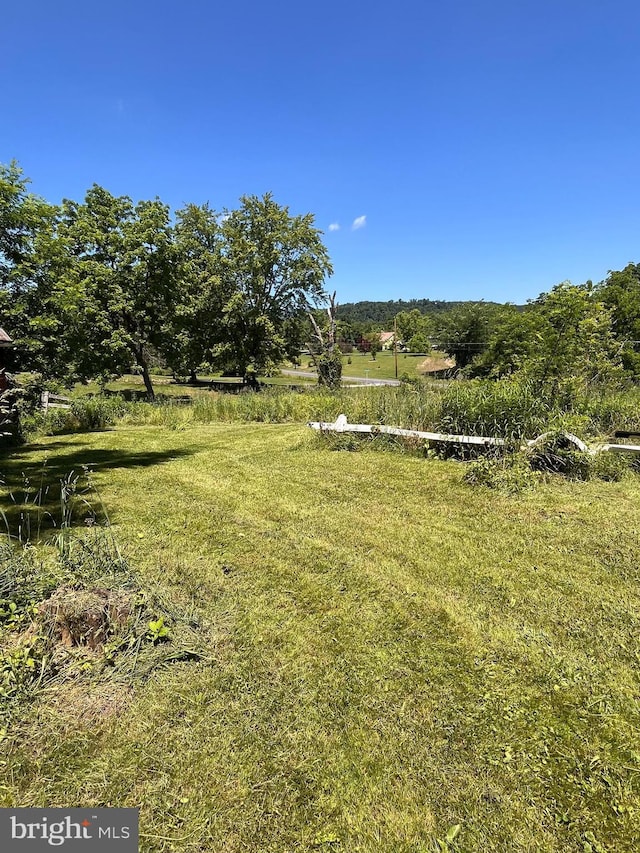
(341, 425)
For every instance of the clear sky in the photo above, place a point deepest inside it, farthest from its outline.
(486, 148)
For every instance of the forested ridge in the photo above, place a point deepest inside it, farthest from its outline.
(368, 311)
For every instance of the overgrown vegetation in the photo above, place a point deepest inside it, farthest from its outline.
(509, 408)
(515, 471)
(72, 611)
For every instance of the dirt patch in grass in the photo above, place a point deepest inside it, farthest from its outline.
(86, 705)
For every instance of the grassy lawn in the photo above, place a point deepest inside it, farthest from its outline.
(167, 386)
(390, 653)
(362, 365)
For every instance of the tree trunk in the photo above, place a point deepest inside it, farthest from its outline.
(193, 379)
(138, 352)
(147, 382)
(250, 379)
(145, 374)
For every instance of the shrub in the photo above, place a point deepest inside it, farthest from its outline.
(98, 412)
(610, 466)
(330, 369)
(511, 474)
(32, 385)
(10, 427)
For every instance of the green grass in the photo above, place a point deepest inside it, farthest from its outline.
(362, 365)
(167, 386)
(510, 408)
(130, 382)
(390, 653)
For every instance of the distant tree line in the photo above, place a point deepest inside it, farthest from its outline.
(88, 289)
(587, 330)
(383, 313)
(590, 331)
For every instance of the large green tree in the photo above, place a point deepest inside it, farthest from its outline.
(515, 338)
(197, 326)
(121, 281)
(32, 259)
(273, 268)
(464, 332)
(575, 337)
(620, 292)
(414, 330)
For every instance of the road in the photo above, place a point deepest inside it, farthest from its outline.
(362, 380)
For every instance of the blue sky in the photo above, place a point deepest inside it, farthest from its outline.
(487, 149)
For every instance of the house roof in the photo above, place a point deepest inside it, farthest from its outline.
(5, 340)
(385, 336)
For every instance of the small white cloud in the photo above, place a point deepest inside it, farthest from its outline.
(359, 222)
(335, 226)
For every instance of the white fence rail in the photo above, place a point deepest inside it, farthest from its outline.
(341, 425)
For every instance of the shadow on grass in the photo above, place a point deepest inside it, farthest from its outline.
(32, 497)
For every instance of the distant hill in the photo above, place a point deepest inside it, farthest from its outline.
(384, 312)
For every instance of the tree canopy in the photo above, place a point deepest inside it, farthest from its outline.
(93, 288)
(273, 269)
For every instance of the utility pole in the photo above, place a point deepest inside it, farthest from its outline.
(395, 343)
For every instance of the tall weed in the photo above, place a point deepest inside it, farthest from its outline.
(509, 408)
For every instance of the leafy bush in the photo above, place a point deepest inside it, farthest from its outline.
(511, 474)
(330, 369)
(31, 386)
(10, 426)
(554, 454)
(85, 414)
(612, 467)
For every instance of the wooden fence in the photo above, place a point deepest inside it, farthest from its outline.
(53, 401)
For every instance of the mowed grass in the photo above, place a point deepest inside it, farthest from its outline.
(383, 367)
(168, 387)
(389, 653)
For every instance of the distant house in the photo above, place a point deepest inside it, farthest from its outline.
(386, 340)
